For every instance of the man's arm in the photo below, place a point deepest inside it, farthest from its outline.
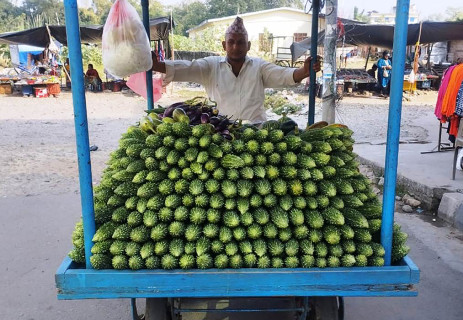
(183, 70)
(304, 71)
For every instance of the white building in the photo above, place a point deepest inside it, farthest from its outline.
(375, 17)
(272, 31)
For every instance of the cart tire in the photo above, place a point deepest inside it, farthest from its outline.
(157, 309)
(324, 308)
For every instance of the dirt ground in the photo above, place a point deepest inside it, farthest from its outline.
(38, 147)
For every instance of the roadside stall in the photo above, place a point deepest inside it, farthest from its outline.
(355, 79)
(35, 71)
(317, 291)
(356, 34)
(45, 41)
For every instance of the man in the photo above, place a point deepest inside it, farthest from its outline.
(92, 77)
(236, 82)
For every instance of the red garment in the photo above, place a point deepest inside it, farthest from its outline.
(92, 73)
(450, 97)
(442, 91)
(454, 124)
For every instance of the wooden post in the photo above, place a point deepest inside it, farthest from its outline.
(329, 63)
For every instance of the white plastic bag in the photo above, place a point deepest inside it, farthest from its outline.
(459, 164)
(126, 47)
(411, 77)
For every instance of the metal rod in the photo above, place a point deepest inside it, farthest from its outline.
(313, 53)
(149, 73)
(368, 58)
(81, 125)
(241, 310)
(133, 309)
(393, 130)
(305, 307)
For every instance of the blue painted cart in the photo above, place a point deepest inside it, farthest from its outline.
(159, 287)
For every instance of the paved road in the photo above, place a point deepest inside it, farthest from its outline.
(35, 236)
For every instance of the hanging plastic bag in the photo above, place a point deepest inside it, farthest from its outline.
(137, 82)
(126, 47)
(411, 77)
(459, 163)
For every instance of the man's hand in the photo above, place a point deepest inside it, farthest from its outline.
(157, 66)
(304, 71)
(316, 65)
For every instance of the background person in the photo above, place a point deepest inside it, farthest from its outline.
(384, 73)
(92, 77)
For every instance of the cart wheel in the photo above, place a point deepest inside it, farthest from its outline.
(326, 308)
(157, 309)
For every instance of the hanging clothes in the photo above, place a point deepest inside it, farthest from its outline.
(442, 90)
(454, 124)
(450, 98)
(459, 105)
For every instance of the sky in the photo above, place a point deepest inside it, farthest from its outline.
(346, 7)
(424, 7)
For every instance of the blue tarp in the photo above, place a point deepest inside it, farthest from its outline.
(24, 50)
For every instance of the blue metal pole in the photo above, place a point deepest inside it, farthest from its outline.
(393, 129)
(149, 73)
(80, 124)
(313, 53)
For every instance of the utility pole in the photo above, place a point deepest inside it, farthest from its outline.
(329, 62)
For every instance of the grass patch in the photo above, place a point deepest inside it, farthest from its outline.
(189, 94)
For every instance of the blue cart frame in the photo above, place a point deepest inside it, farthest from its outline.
(76, 282)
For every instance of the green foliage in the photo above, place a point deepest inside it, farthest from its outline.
(210, 40)
(280, 104)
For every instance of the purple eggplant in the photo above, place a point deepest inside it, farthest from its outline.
(227, 136)
(214, 120)
(170, 110)
(204, 118)
(195, 118)
(223, 125)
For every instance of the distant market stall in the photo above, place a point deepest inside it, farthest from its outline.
(29, 75)
(35, 70)
(357, 34)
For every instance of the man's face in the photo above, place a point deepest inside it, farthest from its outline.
(236, 45)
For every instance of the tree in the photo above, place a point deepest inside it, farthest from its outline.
(362, 17)
(11, 17)
(102, 9)
(223, 8)
(50, 11)
(454, 14)
(188, 15)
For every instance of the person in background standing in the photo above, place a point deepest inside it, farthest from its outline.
(384, 73)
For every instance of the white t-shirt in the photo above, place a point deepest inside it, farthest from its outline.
(240, 97)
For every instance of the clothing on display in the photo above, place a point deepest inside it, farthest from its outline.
(449, 106)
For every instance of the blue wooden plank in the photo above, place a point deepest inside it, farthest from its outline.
(360, 291)
(366, 281)
(414, 271)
